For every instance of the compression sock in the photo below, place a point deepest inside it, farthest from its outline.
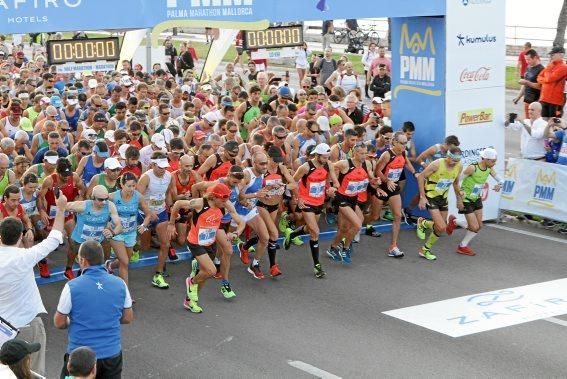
(431, 240)
(251, 242)
(297, 232)
(314, 251)
(272, 248)
(468, 237)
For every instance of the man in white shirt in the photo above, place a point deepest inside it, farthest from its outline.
(533, 133)
(20, 301)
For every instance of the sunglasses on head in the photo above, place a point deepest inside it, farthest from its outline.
(316, 131)
(281, 137)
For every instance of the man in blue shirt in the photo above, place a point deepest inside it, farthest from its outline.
(93, 306)
(54, 144)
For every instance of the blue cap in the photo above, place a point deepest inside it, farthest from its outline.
(101, 149)
(284, 91)
(226, 102)
(56, 101)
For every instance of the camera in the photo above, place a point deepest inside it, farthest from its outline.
(512, 117)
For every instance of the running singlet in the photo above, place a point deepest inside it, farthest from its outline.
(354, 181)
(102, 182)
(19, 211)
(4, 182)
(394, 168)
(274, 182)
(73, 120)
(90, 170)
(312, 186)
(183, 188)
(90, 224)
(204, 225)
(253, 186)
(472, 185)
(68, 189)
(220, 169)
(251, 112)
(136, 170)
(30, 206)
(127, 211)
(439, 182)
(155, 193)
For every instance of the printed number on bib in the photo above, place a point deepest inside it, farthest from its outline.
(477, 190)
(394, 174)
(317, 189)
(443, 184)
(207, 236)
(92, 233)
(129, 224)
(156, 202)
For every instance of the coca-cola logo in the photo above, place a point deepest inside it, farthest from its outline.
(479, 75)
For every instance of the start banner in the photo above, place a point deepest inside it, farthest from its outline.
(535, 187)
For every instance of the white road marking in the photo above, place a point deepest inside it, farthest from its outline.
(555, 320)
(317, 372)
(526, 233)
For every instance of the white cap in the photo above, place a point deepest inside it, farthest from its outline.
(322, 149)
(122, 150)
(92, 83)
(335, 104)
(185, 88)
(377, 100)
(161, 162)
(489, 153)
(51, 159)
(158, 140)
(347, 127)
(89, 133)
(323, 122)
(211, 117)
(109, 135)
(206, 87)
(111, 164)
(126, 81)
(167, 135)
(72, 101)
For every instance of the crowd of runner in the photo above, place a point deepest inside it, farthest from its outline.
(151, 159)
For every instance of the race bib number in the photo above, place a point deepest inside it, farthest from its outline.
(207, 236)
(394, 174)
(477, 190)
(156, 203)
(317, 189)
(275, 187)
(443, 185)
(354, 188)
(29, 208)
(129, 224)
(92, 233)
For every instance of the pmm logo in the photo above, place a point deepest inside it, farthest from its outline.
(544, 189)
(414, 67)
(510, 177)
(211, 3)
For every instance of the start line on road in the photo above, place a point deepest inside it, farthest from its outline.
(482, 312)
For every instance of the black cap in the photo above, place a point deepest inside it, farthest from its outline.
(100, 117)
(231, 147)
(64, 167)
(556, 50)
(275, 153)
(14, 351)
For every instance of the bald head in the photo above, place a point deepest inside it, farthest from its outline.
(185, 159)
(3, 159)
(534, 110)
(100, 191)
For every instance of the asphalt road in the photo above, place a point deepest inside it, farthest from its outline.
(336, 324)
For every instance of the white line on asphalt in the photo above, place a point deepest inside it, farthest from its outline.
(317, 372)
(555, 320)
(531, 234)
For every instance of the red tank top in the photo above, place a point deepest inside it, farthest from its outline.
(274, 182)
(204, 225)
(19, 211)
(181, 188)
(393, 170)
(220, 170)
(312, 186)
(354, 181)
(173, 166)
(136, 170)
(363, 195)
(68, 189)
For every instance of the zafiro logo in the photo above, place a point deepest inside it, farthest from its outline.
(199, 8)
(475, 40)
(544, 189)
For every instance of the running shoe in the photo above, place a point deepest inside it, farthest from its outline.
(192, 306)
(135, 258)
(69, 274)
(287, 238)
(465, 250)
(192, 290)
(318, 271)
(159, 282)
(275, 271)
(172, 254)
(346, 255)
(43, 269)
(388, 215)
(297, 241)
(283, 224)
(227, 291)
(420, 228)
(451, 225)
(426, 253)
(194, 268)
(244, 254)
(394, 252)
(256, 272)
(108, 266)
(330, 217)
(334, 253)
(371, 232)
(251, 250)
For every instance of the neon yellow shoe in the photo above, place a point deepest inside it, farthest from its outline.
(159, 282)
(192, 290)
(192, 306)
(135, 258)
(420, 228)
(426, 253)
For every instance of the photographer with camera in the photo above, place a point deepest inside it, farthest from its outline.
(533, 132)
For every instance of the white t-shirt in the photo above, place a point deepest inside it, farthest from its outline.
(532, 146)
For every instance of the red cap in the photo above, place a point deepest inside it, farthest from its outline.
(201, 96)
(199, 134)
(20, 54)
(220, 191)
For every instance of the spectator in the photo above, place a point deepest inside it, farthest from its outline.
(380, 84)
(93, 306)
(16, 354)
(367, 59)
(531, 89)
(533, 133)
(82, 363)
(326, 66)
(380, 59)
(552, 80)
(327, 31)
(522, 61)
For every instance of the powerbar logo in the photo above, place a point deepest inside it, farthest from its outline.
(208, 8)
(476, 116)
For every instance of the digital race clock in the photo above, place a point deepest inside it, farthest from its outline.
(83, 50)
(273, 38)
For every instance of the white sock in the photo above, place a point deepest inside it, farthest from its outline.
(254, 262)
(462, 223)
(468, 238)
(216, 261)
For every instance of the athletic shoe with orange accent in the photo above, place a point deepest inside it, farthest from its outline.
(43, 269)
(69, 273)
(244, 255)
(256, 272)
(275, 271)
(465, 250)
(172, 254)
(451, 225)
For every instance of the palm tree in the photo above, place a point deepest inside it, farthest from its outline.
(561, 25)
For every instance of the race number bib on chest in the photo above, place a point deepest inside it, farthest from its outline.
(443, 184)
(92, 233)
(317, 189)
(394, 174)
(207, 236)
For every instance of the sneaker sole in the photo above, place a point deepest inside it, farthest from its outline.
(253, 275)
(191, 310)
(160, 287)
(463, 253)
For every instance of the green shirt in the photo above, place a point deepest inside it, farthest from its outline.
(472, 185)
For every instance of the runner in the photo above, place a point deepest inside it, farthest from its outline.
(11, 207)
(184, 179)
(156, 186)
(217, 165)
(312, 178)
(205, 222)
(108, 179)
(434, 183)
(474, 183)
(128, 201)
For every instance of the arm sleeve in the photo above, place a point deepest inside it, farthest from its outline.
(64, 305)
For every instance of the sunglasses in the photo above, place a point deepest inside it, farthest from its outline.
(231, 154)
(165, 114)
(65, 130)
(281, 137)
(135, 134)
(101, 199)
(232, 130)
(84, 153)
(316, 131)
(146, 108)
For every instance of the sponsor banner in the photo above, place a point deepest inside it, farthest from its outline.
(286, 52)
(27, 16)
(477, 116)
(87, 66)
(535, 187)
(482, 312)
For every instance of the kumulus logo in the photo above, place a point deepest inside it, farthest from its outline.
(468, 39)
